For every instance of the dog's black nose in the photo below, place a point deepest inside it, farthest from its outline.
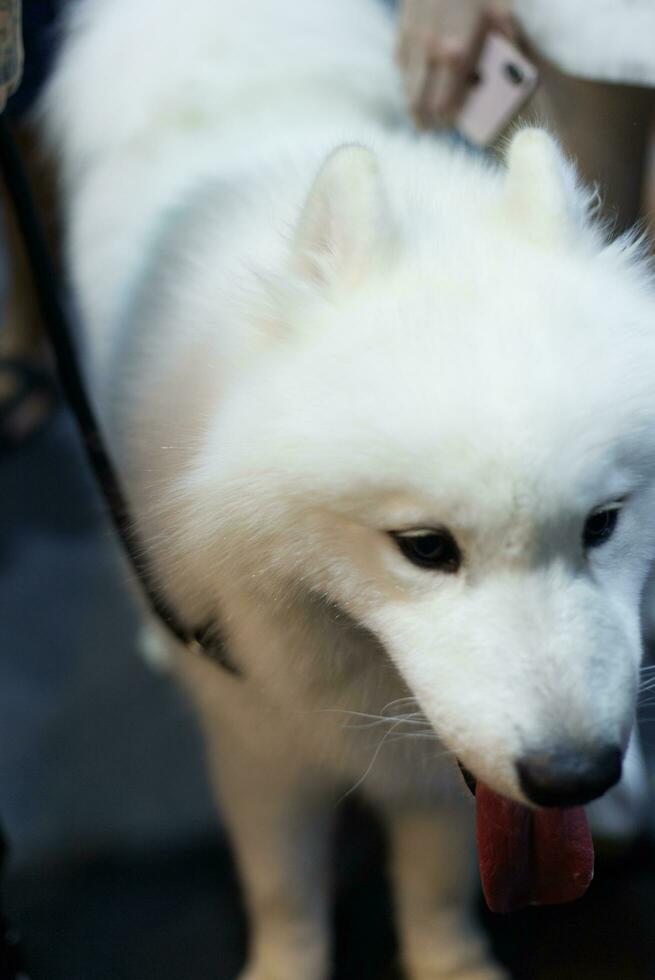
(566, 777)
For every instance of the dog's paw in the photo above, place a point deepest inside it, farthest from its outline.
(481, 971)
(264, 974)
(258, 974)
(457, 965)
(291, 971)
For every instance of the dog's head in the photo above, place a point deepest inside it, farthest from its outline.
(450, 433)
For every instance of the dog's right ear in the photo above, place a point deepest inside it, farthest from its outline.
(346, 219)
(543, 193)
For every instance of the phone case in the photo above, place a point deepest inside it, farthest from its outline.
(504, 81)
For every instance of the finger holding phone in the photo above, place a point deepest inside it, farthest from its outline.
(439, 46)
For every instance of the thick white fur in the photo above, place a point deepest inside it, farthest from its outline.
(297, 348)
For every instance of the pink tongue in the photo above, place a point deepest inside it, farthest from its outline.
(531, 857)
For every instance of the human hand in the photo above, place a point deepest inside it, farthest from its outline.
(439, 42)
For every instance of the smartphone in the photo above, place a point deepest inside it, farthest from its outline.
(502, 83)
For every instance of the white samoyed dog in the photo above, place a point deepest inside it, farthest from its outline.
(385, 413)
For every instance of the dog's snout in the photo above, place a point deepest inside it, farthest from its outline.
(569, 777)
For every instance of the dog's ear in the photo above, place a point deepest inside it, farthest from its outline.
(346, 219)
(542, 190)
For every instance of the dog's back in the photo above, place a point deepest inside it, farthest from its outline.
(149, 100)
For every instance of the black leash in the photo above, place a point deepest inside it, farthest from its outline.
(60, 335)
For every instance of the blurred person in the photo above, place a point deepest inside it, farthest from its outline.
(597, 68)
(27, 393)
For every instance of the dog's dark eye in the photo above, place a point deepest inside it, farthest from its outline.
(600, 526)
(429, 548)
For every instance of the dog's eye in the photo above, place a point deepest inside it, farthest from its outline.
(600, 526)
(429, 548)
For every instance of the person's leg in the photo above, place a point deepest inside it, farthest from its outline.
(605, 129)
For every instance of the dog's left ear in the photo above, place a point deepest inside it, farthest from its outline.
(542, 190)
(346, 219)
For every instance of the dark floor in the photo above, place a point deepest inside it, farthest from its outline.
(118, 868)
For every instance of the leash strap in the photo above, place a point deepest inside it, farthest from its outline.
(60, 335)
(11, 49)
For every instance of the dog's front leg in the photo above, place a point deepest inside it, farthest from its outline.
(433, 871)
(281, 837)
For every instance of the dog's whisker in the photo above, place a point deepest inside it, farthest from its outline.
(408, 699)
(349, 712)
(413, 736)
(370, 765)
(388, 721)
(373, 720)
